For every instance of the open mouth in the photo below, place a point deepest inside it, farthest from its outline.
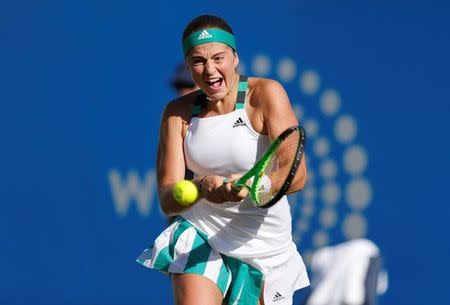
(214, 83)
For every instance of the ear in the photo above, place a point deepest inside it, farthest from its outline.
(235, 59)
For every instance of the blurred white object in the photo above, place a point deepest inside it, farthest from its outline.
(348, 273)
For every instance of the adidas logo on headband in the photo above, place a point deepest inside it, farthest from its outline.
(203, 35)
(208, 35)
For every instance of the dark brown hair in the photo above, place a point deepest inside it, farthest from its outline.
(205, 22)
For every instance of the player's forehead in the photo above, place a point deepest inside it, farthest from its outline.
(209, 49)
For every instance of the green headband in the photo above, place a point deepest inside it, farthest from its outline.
(208, 35)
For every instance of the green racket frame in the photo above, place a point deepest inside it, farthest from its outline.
(257, 170)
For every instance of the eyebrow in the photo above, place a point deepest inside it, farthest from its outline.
(214, 55)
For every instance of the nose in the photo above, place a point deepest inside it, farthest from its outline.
(210, 67)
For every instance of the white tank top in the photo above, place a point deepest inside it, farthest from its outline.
(224, 145)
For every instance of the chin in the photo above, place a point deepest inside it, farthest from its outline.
(217, 96)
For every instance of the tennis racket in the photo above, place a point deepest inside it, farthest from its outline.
(271, 176)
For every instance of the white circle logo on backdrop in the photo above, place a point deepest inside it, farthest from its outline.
(331, 207)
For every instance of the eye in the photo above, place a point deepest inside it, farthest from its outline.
(198, 61)
(218, 59)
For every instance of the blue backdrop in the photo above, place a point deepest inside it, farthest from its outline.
(82, 87)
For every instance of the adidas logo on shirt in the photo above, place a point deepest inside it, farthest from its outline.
(203, 35)
(277, 297)
(239, 122)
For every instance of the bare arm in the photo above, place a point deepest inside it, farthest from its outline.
(277, 116)
(170, 159)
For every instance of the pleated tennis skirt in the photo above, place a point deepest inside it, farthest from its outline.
(182, 248)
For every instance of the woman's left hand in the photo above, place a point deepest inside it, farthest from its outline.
(214, 189)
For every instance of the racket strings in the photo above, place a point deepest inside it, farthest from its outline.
(277, 168)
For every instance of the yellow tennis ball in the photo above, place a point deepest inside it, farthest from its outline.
(185, 192)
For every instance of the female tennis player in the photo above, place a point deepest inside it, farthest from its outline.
(222, 249)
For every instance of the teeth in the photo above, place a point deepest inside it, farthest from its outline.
(212, 80)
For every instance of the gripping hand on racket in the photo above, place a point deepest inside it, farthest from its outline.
(218, 189)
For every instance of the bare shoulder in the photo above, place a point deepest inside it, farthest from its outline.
(262, 84)
(265, 90)
(270, 107)
(181, 108)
